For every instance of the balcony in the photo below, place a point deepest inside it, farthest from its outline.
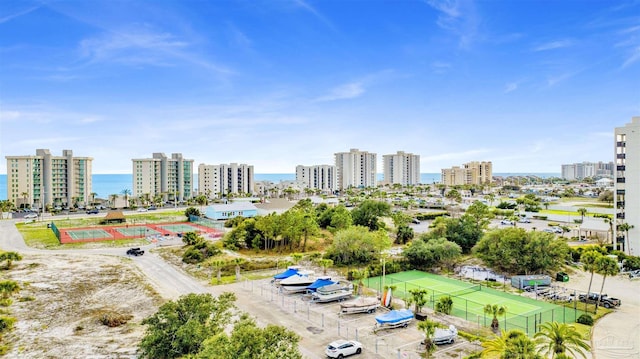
(621, 155)
(620, 168)
(621, 144)
(620, 204)
(620, 215)
(620, 180)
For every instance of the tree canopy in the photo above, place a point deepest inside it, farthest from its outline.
(368, 212)
(425, 253)
(513, 250)
(356, 245)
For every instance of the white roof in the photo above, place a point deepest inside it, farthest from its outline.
(234, 206)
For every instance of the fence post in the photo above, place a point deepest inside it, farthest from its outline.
(466, 309)
(527, 322)
(356, 334)
(338, 328)
(308, 306)
(322, 318)
(294, 305)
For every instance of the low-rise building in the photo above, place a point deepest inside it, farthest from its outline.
(231, 210)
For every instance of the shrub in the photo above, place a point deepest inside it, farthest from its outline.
(6, 323)
(114, 319)
(192, 255)
(430, 215)
(585, 319)
(543, 218)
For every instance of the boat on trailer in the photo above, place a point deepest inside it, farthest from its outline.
(320, 282)
(360, 305)
(286, 274)
(394, 319)
(332, 293)
(298, 282)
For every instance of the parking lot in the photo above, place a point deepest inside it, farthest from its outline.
(321, 323)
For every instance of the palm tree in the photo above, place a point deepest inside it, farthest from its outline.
(360, 275)
(429, 329)
(513, 344)
(589, 259)
(444, 305)
(610, 222)
(238, 261)
(490, 197)
(9, 257)
(625, 227)
(496, 311)
(296, 257)
(93, 197)
(583, 212)
(560, 338)
(217, 265)
(24, 199)
(325, 263)
(605, 266)
(126, 193)
(418, 297)
(113, 198)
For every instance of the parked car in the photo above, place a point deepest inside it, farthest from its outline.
(506, 222)
(548, 230)
(152, 208)
(634, 273)
(603, 300)
(135, 252)
(524, 220)
(415, 221)
(142, 209)
(93, 211)
(557, 229)
(343, 348)
(31, 216)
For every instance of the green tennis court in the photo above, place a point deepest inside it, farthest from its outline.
(137, 231)
(469, 300)
(178, 228)
(88, 233)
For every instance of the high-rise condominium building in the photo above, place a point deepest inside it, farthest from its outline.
(160, 175)
(356, 169)
(578, 171)
(320, 177)
(53, 180)
(475, 173)
(627, 186)
(401, 168)
(216, 181)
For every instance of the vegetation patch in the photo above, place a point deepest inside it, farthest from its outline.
(113, 319)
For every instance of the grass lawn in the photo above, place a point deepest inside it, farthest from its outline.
(567, 213)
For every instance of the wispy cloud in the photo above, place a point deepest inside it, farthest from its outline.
(632, 43)
(633, 57)
(558, 44)
(440, 67)
(458, 17)
(306, 6)
(143, 45)
(510, 87)
(343, 92)
(18, 14)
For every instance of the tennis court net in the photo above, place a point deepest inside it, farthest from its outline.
(457, 293)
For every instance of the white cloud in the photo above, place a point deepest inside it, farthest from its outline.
(558, 44)
(458, 17)
(18, 14)
(510, 87)
(440, 67)
(316, 13)
(633, 57)
(343, 92)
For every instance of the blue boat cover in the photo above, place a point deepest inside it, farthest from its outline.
(286, 274)
(394, 316)
(319, 283)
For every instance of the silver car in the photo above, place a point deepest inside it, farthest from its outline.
(343, 348)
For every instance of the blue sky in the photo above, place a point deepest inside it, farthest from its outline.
(528, 85)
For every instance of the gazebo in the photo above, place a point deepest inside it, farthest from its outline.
(114, 217)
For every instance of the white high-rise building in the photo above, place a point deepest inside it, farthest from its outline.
(627, 185)
(356, 169)
(320, 177)
(401, 168)
(161, 175)
(53, 180)
(216, 181)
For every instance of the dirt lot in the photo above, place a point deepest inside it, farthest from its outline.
(66, 295)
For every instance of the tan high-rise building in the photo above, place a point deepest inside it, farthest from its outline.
(171, 177)
(356, 169)
(627, 186)
(53, 180)
(401, 168)
(320, 177)
(475, 173)
(216, 181)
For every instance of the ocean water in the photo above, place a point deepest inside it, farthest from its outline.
(107, 184)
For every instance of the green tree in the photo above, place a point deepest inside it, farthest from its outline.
(325, 263)
(217, 265)
(513, 344)
(429, 329)
(191, 238)
(495, 311)
(425, 253)
(626, 227)
(606, 196)
(356, 245)
(418, 297)
(589, 260)
(444, 305)
(126, 193)
(479, 214)
(583, 212)
(560, 338)
(359, 275)
(606, 266)
(180, 327)
(404, 234)
(10, 257)
(238, 262)
(490, 198)
(368, 212)
(248, 341)
(513, 250)
(192, 211)
(340, 219)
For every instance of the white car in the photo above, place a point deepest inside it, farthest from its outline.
(142, 209)
(524, 220)
(342, 348)
(506, 222)
(31, 216)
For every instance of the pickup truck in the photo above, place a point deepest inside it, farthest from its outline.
(135, 252)
(603, 300)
